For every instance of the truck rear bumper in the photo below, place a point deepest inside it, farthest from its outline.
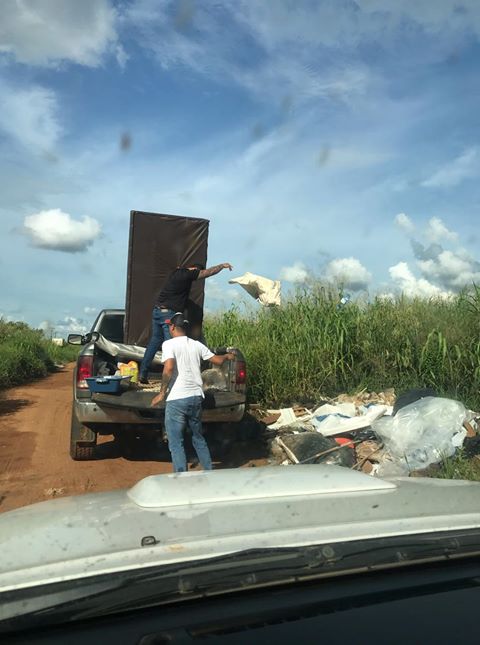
(89, 412)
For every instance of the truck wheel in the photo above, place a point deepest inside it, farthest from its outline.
(82, 441)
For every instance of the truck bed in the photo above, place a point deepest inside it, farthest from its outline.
(138, 400)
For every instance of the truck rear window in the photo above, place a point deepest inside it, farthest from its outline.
(112, 327)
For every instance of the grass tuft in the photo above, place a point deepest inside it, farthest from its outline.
(25, 354)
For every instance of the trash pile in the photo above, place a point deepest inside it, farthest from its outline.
(375, 433)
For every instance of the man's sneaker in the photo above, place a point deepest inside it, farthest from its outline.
(143, 380)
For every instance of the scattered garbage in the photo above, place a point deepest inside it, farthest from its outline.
(312, 448)
(337, 423)
(374, 433)
(265, 291)
(423, 432)
(289, 417)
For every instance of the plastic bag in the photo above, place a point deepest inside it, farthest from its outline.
(129, 369)
(423, 432)
(267, 292)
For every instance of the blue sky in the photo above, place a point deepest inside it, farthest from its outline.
(334, 137)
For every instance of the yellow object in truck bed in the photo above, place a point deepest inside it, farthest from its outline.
(129, 369)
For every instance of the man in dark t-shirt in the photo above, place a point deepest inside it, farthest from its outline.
(171, 299)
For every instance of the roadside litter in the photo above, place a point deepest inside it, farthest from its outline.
(331, 423)
(312, 448)
(373, 432)
(265, 291)
(423, 432)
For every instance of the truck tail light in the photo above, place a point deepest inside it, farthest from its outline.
(84, 371)
(241, 373)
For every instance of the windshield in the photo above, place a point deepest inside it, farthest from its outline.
(240, 298)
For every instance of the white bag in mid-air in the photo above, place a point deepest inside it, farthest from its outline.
(264, 290)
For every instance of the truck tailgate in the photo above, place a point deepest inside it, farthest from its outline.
(138, 400)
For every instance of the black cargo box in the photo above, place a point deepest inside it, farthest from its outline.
(157, 245)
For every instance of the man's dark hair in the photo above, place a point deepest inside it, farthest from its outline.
(178, 320)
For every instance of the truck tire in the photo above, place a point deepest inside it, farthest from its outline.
(82, 441)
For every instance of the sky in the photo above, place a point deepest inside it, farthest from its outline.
(334, 138)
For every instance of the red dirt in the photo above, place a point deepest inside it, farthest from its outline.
(35, 463)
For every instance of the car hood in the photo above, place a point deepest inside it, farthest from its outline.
(165, 519)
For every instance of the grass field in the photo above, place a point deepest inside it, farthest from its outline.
(311, 348)
(25, 354)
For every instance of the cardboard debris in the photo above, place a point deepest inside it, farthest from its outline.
(387, 397)
(369, 450)
(270, 419)
(468, 427)
(367, 467)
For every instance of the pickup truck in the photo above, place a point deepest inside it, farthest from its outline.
(129, 414)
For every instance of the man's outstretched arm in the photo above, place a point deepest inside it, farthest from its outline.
(220, 360)
(206, 273)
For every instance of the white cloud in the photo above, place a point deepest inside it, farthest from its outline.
(51, 31)
(121, 56)
(347, 24)
(292, 42)
(69, 325)
(437, 231)
(413, 287)
(210, 36)
(90, 310)
(53, 229)
(448, 270)
(433, 17)
(30, 115)
(405, 223)
(296, 273)
(452, 174)
(453, 270)
(349, 272)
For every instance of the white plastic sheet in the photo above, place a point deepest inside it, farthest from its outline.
(125, 352)
(423, 432)
(288, 418)
(264, 290)
(338, 423)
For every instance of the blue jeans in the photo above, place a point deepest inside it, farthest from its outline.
(181, 414)
(160, 332)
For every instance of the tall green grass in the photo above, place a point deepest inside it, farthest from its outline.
(25, 354)
(310, 348)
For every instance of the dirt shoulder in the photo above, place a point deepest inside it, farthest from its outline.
(35, 463)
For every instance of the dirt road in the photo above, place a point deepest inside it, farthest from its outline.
(35, 463)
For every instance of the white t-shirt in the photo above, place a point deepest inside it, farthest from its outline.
(187, 377)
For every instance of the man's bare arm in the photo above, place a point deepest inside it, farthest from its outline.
(220, 360)
(166, 378)
(207, 273)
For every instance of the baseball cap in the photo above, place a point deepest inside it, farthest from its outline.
(178, 320)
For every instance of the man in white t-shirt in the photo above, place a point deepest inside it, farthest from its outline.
(181, 358)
